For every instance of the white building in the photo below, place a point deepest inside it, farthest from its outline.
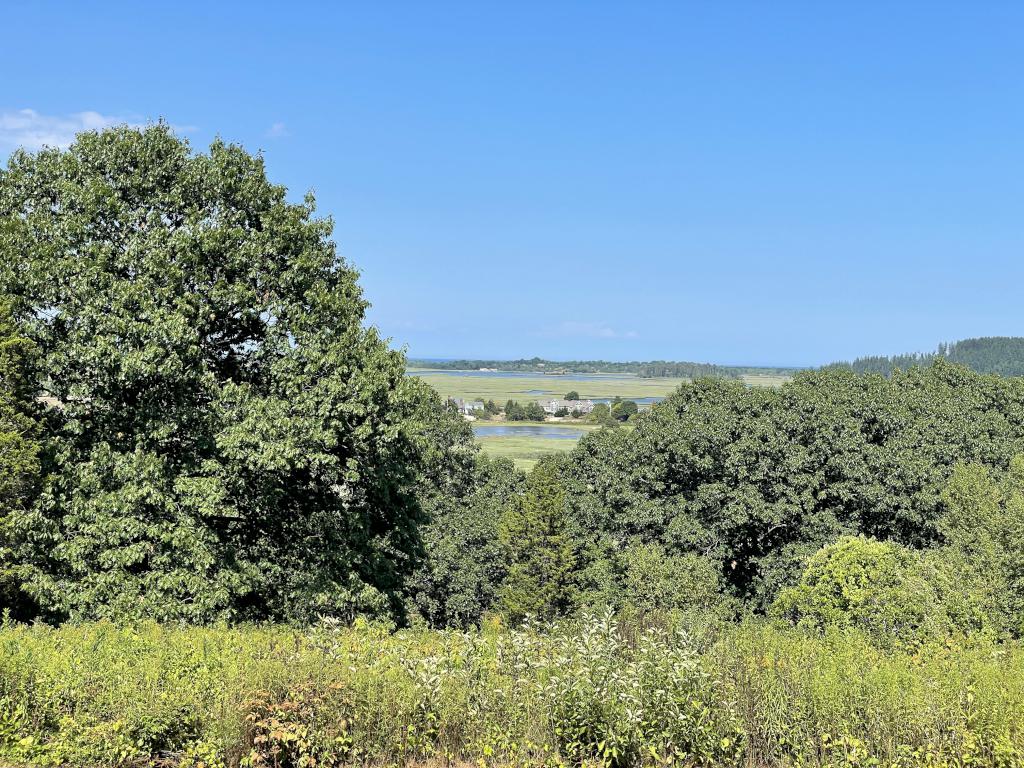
(467, 407)
(572, 406)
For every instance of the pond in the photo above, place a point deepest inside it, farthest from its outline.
(637, 400)
(516, 430)
(525, 375)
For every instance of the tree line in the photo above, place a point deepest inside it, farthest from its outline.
(1003, 355)
(540, 366)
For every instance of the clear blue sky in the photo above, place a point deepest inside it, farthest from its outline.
(778, 183)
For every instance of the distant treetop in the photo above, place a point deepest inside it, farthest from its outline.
(1003, 355)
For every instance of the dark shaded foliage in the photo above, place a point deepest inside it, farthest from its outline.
(758, 479)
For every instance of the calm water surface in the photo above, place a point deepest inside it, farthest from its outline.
(514, 430)
(527, 375)
(637, 400)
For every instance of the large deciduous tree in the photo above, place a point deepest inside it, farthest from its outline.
(20, 460)
(231, 440)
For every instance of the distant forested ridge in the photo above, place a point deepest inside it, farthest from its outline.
(1003, 355)
(649, 369)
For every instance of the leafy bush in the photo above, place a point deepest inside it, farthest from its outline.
(894, 594)
(651, 581)
(984, 533)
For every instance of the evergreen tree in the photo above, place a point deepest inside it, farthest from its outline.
(533, 411)
(536, 535)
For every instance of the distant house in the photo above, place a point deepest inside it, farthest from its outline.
(467, 407)
(557, 404)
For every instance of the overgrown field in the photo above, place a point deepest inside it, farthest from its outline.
(587, 692)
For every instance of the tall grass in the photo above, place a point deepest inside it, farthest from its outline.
(586, 692)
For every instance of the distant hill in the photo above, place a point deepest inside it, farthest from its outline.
(991, 354)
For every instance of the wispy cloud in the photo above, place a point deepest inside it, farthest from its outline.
(575, 328)
(31, 130)
(277, 131)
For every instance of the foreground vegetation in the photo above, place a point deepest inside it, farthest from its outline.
(588, 691)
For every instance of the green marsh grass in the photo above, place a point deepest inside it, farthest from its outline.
(504, 388)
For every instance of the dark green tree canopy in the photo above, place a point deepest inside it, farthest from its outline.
(232, 441)
(541, 549)
(21, 463)
(991, 354)
(759, 479)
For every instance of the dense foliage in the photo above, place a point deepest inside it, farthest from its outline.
(898, 596)
(196, 426)
(983, 526)
(531, 410)
(20, 459)
(540, 543)
(757, 480)
(991, 354)
(466, 562)
(228, 439)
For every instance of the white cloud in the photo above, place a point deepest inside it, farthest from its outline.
(31, 130)
(277, 131)
(589, 330)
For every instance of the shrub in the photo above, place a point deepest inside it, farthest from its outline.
(984, 531)
(652, 580)
(896, 595)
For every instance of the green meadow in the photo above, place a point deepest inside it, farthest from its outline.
(540, 387)
(764, 379)
(525, 451)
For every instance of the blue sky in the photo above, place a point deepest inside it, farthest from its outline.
(735, 182)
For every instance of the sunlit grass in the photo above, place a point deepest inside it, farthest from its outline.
(523, 388)
(594, 692)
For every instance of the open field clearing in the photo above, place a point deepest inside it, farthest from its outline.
(471, 385)
(525, 450)
(501, 386)
(764, 379)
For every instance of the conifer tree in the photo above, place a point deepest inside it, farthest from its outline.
(536, 534)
